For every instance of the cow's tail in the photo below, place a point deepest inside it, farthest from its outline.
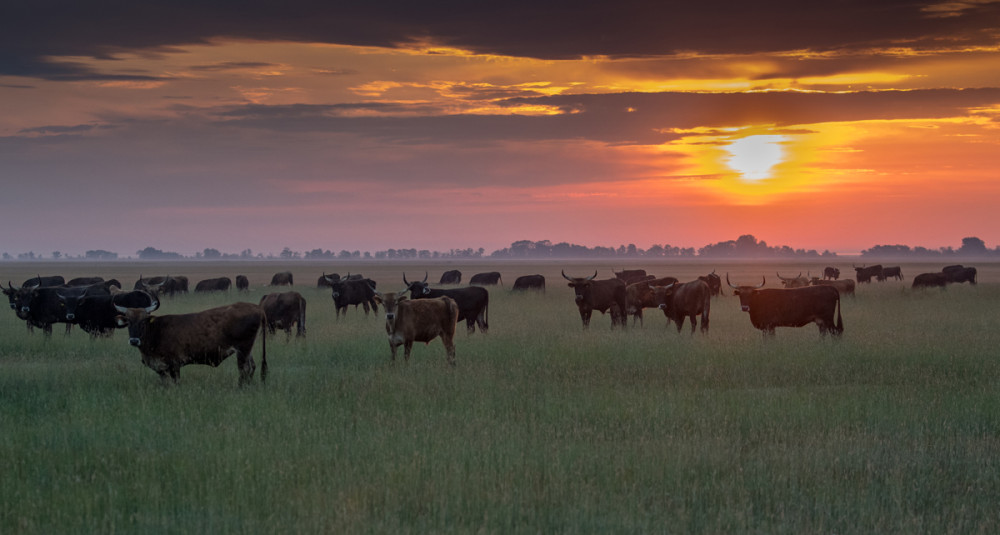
(263, 347)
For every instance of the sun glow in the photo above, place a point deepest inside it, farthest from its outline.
(753, 157)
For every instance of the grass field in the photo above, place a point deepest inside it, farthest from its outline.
(540, 428)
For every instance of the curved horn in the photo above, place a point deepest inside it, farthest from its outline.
(425, 277)
(566, 276)
(590, 278)
(731, 285)
(327, 279)
(780, 277)
(762, 282)
(404, 280)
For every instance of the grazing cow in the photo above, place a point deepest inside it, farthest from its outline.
(865, 274)
(630, 276)
(794, 282)
(685, 300)
(845, 286)
(281, 310)
(169, 342)
(419, 320)
(602, 295)
(530, 282)
(930, 280)
(218, 284)
(348, 291)
(491, 278)
(639, 295)
(831, 273)
(242, 283)
(453, 276)
(790, 307)
(959, 273)
(713, 281)
(96, 313)
(167, 285)
(892, 271)
(283, 278)
(473, 301)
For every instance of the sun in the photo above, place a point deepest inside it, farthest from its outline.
(753, 157)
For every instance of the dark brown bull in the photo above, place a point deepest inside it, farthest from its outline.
(639, 295)
(490, 278)
(895, 272)
(218, 284)
(242, 283)
(959, 274)
(453, 276)
(602, 295)
(930, 280)
(689, 299)
(791, 307)
(169, 342)
(713, 281)
(831, 273)
(844, 286)
(631, 276)
(530, 282)
(419, 320)
(283, 310)
(865, 274)
(283, 278)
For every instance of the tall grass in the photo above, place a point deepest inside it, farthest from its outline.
(542, 427)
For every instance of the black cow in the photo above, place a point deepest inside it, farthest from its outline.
(453, 276)
(348, 291)
(790, 307)
(242, 283)
(602, 295)
(831, 273)
(713, 281)
(865, 274)
(324, 280)
(282, 310)
(630, 276)
(490, 278)
(168, 285)
(283, 278)
(891, 271)
(529, 282)
(689, 299)
(207, 337)
(959, 274)
(473, 301)
(40, 306)
(96, 314)
(85, 281)
(43, 282)
(930, 280)
(218, 284)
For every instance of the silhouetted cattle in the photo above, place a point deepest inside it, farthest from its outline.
(346, 292)
(892, 271)
(282, 310)
(930, 280)
(687, 300)
(865, 274)
(453, 276)
(845, 286)
(473, 301)
(169, 342)
(602, 295)
(713, 281)
(242, 283)
(630, 276)
(530, 282)
(791, 307)
(794, 282)
(831, 273)
(96, 314)
(218, 284)
(491, 278)
(283, 278)
(419, 320)
(959, 274)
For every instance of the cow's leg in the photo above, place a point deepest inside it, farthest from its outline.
(364, 304)
(449, 347)
(704, 322)
(392, 347)
(481, 320)
(407, 346)
(470, 325)
(694, 322)
(680, 323)
(244, 359)
(69, 327)
(585, 317)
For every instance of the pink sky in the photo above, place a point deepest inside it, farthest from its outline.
(404, 126)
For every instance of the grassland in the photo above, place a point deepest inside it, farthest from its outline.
(541, 428)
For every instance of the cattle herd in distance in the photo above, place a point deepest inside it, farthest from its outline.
(417, 313)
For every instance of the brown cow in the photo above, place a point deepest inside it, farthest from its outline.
(599, 295)
(931, 280)
(284, 309)
(790, 307)
(639, 295)
(207, 337)
(844, 286)
(283, 278)
(419, 320)
(685, 300)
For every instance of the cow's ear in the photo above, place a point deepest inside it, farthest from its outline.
(121, 321)
(377, 299)
(401, 298)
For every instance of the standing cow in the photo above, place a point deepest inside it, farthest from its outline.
(453, 276)
(169, 342)
(350, 291)
(831, 273)
(282, 310)
(419, 320)
(218, 284)
(689, 299)
(490, 278)
(790, 307)
(283, 278)
(602, 295)
(242, 283)
(473, 301)
(530, 282)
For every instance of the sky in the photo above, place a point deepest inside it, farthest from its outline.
(187, 125)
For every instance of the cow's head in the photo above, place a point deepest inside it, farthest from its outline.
(137, 320)
(69, 302)
(417, 288)
(581, 285)
(744, 292)
(663, 295)
(11, 292)
(793, 282)
(390, 302)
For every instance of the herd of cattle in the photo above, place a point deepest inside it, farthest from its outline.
(418, 313)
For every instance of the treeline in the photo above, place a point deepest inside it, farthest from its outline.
(746, 246)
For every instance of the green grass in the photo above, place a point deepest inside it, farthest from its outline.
(540, 428)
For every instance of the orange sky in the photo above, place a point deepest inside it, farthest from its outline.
(455, 130)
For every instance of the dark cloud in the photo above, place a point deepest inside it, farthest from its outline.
(231, 66)
(31, 33)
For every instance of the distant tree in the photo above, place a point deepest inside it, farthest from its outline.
(973, 246)
(56, 255)
(211, 254)
(100, 254)
(288, 254)
(150, 253)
